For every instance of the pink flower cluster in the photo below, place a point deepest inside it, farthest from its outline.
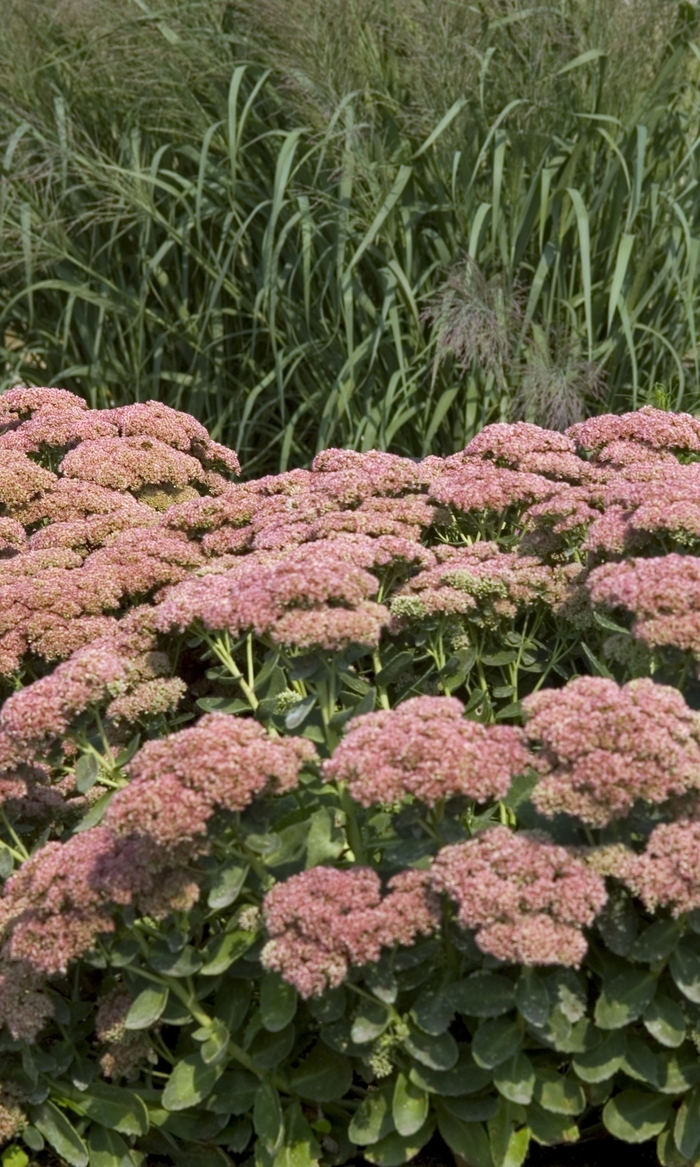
(222, 762)
(662, 595)
(324, 920)
(666, 874)
(428, 749)
(527, 898)
(483, 582)
(606, 746)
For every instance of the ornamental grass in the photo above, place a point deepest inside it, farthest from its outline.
(349, 806)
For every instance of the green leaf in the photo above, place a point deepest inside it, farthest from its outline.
(86, 771)
(433, 1011)
(465, 1078)
(323, 1075)
(232, 1002)
(601, 1063)
(532, 998)
(269, 1049)
(226, 885)
(215, 1047)
(372, 1121)
(625, 998)
(234, 1093)
(189, 1083)
(515, 1079)
(108, 1149)
(113, 1107)
(409, 1107)
(183, 963)
(370, 1021)
(299, 712)
(679, 1070)
(278, 1002)
(394, 1150)
(468, 1140)
(33, 1139)
(329, 1007)
(224, 951)
(550, 1129)
(640, 1062)
(483, 994)
(667, 1152)
(509, 1146)
(656, 942)
(95, 814)
(635, 1115)
(437, 1052)
(324, 841)
(479, 1109)
(496, 1041)
(685, 970)
(267, 1116)
(59, 1133)
(147, 1008)
(665, 1020)
(300, 1148)
(557, 1093)
(14, 1156)
(686, 1130)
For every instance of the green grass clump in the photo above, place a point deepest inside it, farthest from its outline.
(350, 224)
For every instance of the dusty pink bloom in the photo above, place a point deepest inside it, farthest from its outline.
(222, 762)
(45, 709)
(280, 598)
(126, 1048)
(427, 748)
(622, 453)
(22, 401)
(350, 476)
(21, 480)
(605, 746)
(59, 428)
(13, 1120)
(648, 426)
(527, 898)
(131, 464)
(12, 535)
(478, 487)
(69, 499)
(510, 444)
(323, 920)
(85, 535)
(153, 419)
(482, 581)
(137, 561)
(331, 629)
(666, 874)
(662, 594)
(159, 695)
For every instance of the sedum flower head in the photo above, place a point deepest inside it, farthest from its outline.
(426, 748)
(323, 920)
(606, 746)
(527, 898)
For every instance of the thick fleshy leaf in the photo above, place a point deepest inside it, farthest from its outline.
(685, 970)
(479, 1109)
(468, 1140)
(656, 942)
(665, 1021)
(147, 1008)
(189, 1083)
(551, 1129)
(108, 1149)
(113, 1107)
(465, 1078)
(559, 1094)
(278, 1002)
(686, 1131)
(625, 998)
(509, 1140)
(269, 1049)
(436, 1052)
(496, 1041)
(394, 1150)
(226, 885)
(370, 1021)
(635, 1115)
(372, 1120)
(409, 1106)
(532, 998)
(515, 1079)
(59, 1133)
(679, 1070)
(268, 1121)
(299, 1148)
(234, 1093)
(483, 994)
(601, 1063)
(323, 1075)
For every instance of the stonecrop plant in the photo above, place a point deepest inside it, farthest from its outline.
(347, 806)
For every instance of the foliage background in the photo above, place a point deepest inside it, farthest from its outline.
(365, 225)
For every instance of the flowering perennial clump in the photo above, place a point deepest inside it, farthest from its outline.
(294, 770)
